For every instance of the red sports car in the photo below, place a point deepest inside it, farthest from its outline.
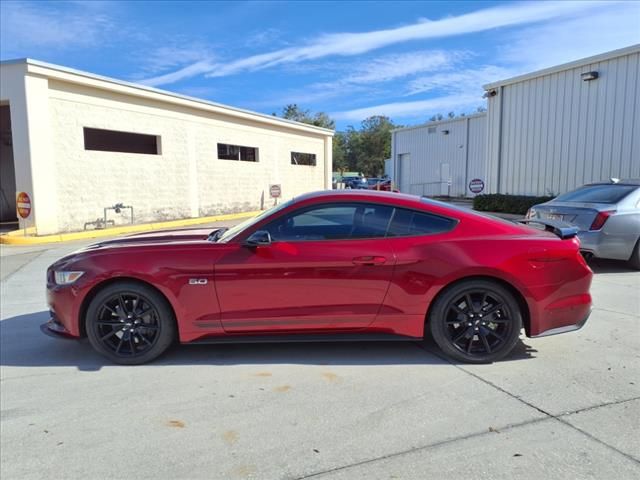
(347, 265)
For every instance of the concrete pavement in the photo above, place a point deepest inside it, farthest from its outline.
(565, 407)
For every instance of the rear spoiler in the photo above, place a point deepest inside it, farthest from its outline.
(561, 229)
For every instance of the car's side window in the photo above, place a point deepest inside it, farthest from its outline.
(338, 221)
(409, 222)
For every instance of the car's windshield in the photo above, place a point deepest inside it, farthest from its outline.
(237, 229)
(597, 194)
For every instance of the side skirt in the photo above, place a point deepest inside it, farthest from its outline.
(306, 338)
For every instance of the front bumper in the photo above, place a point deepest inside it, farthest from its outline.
(55, 329)
(564, 329)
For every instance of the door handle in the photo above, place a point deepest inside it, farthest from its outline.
(369, 260)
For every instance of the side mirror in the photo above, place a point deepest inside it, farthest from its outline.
(259, 238)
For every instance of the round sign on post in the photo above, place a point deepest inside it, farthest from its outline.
(476, 185)
(275, 191)
(23, 205)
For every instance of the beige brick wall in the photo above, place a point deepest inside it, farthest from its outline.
(187, 179)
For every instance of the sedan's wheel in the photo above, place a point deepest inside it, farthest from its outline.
(477, 321)
(130, 323)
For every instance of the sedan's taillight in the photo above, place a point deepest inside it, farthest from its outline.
(600, 219)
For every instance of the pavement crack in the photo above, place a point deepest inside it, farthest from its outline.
(547, 417)
(535, 407)
(441, 443)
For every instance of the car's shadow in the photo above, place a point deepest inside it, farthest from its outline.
(602, 266)
(23, 344)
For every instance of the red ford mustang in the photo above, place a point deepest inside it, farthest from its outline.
(349, 265)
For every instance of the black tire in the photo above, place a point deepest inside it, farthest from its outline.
(483, 333)
(130, 323)
(634, 261)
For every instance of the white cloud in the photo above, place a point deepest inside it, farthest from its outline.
(170, 56)
(362, 78)
(419, 108)
(540, 46)
(460, 80)
(391, 67)
(192, 70)
(349, 44)
(554, 43)
(24, 27)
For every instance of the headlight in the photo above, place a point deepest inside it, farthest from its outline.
(67, 278)
(531, 213)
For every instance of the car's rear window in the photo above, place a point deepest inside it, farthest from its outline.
(598, 194)
(409, 222)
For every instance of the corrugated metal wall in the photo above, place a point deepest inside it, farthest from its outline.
(427, 157)
(554, 132)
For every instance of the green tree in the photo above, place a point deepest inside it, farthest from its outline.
(373, 145)
(340, 160)
(319, 119)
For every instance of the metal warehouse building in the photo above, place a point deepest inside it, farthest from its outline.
(544, 133)
(78, 143)
(439, 158)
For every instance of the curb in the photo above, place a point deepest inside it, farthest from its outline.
(17, 237)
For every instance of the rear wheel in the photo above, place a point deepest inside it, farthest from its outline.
(476, 321)
(130, 323)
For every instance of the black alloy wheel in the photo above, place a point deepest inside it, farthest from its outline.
(130, 323)
(477, 321)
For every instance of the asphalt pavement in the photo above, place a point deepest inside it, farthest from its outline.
(563, 407)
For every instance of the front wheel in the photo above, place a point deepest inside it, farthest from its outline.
(130, 323)
(476, 321)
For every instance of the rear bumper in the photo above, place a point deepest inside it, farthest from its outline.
(564, 329)
(601, 245)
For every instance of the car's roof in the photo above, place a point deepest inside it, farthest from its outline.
(373, 195)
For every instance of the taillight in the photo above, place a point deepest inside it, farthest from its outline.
(601, 219)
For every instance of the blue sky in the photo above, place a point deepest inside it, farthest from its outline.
(407, 60)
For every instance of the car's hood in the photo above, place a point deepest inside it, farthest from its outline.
(187, 235)
(173, 238)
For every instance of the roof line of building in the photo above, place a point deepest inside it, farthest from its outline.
(565, 66)
(440, 122)
(229, 110)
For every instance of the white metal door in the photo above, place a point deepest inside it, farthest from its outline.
(404, 177)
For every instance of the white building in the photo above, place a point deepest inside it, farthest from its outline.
(77, 143)
(544, 133)
(439, 158)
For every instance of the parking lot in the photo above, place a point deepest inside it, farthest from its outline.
(565, 407)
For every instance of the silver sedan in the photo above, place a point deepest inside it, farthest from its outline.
(607, 215)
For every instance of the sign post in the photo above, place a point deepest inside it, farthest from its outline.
(23, 206)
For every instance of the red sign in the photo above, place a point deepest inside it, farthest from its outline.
(275, 191)
(476, 185)
(23, 204)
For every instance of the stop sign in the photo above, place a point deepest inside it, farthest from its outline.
(476, 185)
(275, 191)
(23, 204)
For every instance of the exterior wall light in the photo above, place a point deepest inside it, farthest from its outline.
(490, 93)
(445, 132)
(587, 76)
